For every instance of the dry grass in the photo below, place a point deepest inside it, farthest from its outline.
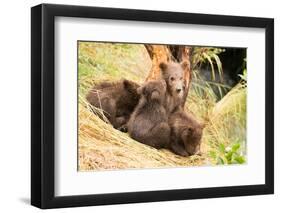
(102, 147)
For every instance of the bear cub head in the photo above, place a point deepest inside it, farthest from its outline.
(153, 91)
(173, 74)
(187, 130)
(191, 137)
(131, 96)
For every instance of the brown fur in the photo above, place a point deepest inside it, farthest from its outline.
(186, 133)
(173, 74)
(149, 123)
(116, 99)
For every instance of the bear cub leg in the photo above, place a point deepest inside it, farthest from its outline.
(159, 136)
(178, 149)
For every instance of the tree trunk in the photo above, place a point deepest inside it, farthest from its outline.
(158, 54)
(167, 53)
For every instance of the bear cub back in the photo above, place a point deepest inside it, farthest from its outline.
(116, 99)
(149, 122)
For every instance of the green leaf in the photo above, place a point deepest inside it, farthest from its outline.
(235, 147)
(211, 63)
(220, 161)
(240, 159)
(212, 154)
(229, 156)
(222, 148)
(219, 65)
(244, 76)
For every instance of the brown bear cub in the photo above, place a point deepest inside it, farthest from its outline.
(149, 122)
(116, 99)
(173, 74)
(186, 133)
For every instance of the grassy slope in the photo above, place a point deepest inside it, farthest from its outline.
(102, 147)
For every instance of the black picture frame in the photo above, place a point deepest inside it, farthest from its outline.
(43, 110)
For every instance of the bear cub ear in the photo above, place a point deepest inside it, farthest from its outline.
(163, 66)
(140, 90)
(202, 125)
(190, 130)
(130, 86)
(126, 84)
(184, 65)
(187, 132)
(155, 95)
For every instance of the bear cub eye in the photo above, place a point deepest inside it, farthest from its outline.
(172, 78)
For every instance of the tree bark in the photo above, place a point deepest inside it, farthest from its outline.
(168, 53)
(158, 54)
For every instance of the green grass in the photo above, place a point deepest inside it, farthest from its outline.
(104, 61)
